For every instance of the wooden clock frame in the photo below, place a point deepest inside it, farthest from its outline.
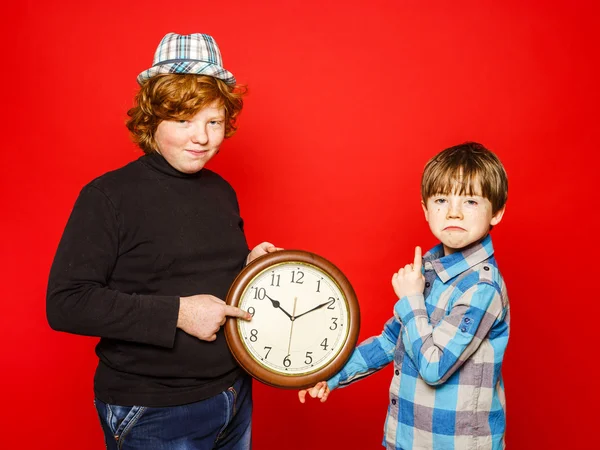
(235, 342)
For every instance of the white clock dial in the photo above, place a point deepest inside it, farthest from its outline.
(299, 318)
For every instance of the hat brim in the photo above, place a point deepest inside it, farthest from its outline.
(191, 67)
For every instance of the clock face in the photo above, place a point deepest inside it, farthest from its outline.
(304, 323)
(299, 318)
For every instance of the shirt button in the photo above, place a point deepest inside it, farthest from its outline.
(393, 401)
(467, 320)
(463, 329)
(486, 268)
(427, 284)
(397, 372)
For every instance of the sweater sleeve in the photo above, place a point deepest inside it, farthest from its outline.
(79, 299)
(370, 356)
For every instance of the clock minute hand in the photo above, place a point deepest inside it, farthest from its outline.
(315, 308)
(276, 304)
(292, 327)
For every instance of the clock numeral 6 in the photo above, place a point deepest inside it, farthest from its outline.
(253, 335)
(286, 361)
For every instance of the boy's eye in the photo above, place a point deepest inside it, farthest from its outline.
(215, 122)
(439, 201)
(471, 202)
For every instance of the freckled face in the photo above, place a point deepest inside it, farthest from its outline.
(188, 145)
(459, 220)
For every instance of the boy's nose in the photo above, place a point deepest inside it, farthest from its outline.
(454, 211)
(199, 135)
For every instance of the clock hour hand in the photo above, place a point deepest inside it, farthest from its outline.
(315, 308)
(276, 304)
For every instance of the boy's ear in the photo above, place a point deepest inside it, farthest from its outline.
(424, 206)
(496, 218)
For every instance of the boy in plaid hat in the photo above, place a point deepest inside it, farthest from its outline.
(148, 254)
(450, 327)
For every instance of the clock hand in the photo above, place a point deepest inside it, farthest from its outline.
(292, 327)
(315, 308)
(276, 304)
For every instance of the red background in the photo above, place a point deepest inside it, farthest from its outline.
(347, 101)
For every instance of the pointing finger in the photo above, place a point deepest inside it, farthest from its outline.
(418, 259)
(233, 311)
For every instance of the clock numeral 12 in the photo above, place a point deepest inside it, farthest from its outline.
(300, 277)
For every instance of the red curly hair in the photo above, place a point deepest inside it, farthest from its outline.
(180, 97)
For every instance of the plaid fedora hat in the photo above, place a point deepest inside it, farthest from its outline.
(190, 53)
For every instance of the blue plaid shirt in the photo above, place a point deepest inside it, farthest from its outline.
(447, 346)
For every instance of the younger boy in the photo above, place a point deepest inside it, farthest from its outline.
(450, 326)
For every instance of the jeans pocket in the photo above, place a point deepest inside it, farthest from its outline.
(234, 395)
(120, 419)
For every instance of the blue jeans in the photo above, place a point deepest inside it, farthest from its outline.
(221, 422)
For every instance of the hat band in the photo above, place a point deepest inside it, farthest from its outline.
(174, 61)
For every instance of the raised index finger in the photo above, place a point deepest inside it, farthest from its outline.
(233, 311)
(418, 260)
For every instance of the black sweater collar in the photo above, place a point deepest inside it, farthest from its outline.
(157, 162)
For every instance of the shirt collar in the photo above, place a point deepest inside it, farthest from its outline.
(449, 266)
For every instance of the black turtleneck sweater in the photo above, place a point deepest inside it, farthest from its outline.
(137, 239)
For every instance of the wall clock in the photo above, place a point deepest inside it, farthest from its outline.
(305, 319)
